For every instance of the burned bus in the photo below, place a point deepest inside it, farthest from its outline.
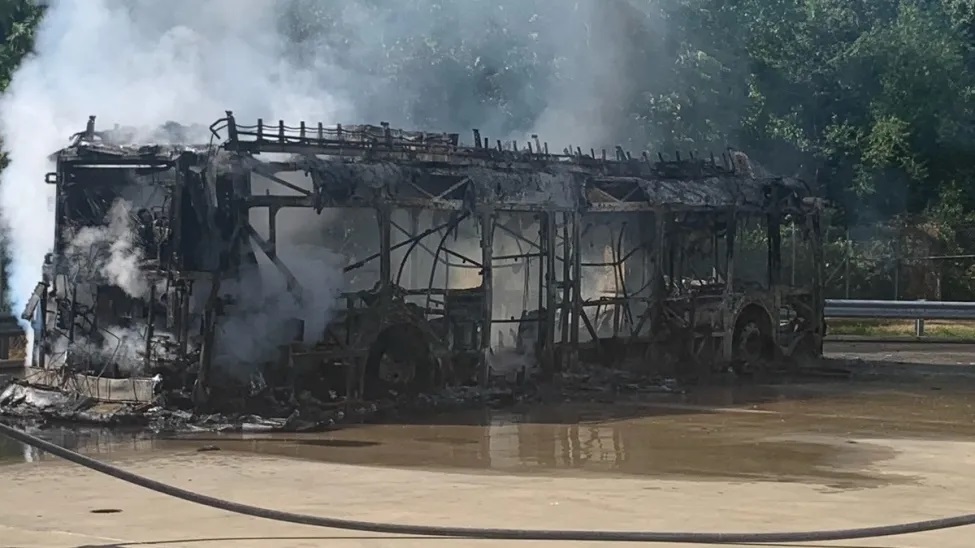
(358, 261)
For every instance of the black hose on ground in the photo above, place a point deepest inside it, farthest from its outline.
(478, 533)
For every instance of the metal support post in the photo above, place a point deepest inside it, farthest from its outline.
(40, 339)
(548, 247)
(385, 253)
(816, 249)
(241, 182)
(201, 390)
(773, 221)
(919, 325)
(541, 280)
(487, 286)
(414, 261)
(185, 290)
(566, 285)
(72, 317)
(150, 323)
(272, 228)
(576, 288)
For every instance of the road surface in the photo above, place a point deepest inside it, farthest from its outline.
(833, 454)
(904, 352)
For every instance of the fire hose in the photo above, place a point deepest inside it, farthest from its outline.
(480, 533)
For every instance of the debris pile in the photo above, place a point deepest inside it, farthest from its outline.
(23, 401)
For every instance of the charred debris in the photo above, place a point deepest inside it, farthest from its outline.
(284, 271)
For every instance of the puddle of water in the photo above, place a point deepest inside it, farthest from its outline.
(96, 442)
(754, 433)
(633, 447)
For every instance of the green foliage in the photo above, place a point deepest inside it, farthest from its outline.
(874, 96)
(18, 19)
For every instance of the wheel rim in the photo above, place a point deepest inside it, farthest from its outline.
(750, 343)
(396, 372)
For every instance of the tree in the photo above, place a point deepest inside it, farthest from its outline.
(18, 19)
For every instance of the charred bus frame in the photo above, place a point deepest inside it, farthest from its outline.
(656, 218)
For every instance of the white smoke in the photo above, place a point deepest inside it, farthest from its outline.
(138, 63)
(250, 333)
(259, 316)
(110, 252)
(498, 64)
(115, 347)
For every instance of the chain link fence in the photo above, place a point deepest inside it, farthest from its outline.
(902, 260)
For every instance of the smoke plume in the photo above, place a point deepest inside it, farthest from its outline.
(507, 67)
(264, 299)
(110, 252)
(111, 352)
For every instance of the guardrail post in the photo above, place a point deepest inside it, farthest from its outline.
(919, 324)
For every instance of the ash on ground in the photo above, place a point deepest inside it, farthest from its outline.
(271, 410)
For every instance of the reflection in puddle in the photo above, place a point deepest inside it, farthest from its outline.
(100, 441)
(791, 433)
(654, 446)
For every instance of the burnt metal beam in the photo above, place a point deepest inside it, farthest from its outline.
(385, 252)
(279, 201)
(201, 388)
(540, 288)
(517, 256)
(576, 287)
(465, 259)
(293, 285)
(551, 288)
(518, 237)
(453, 187)
(487, 287)
(421, 190)
(272, 228)
(566, 281)
(604, 197)
(589, 327)
(150, 324)
(395, 203)
(374, 256)
(620, 272)
(414, 230)
(271, 174)
(108, 161)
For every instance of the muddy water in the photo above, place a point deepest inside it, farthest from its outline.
(511, 443)
(97, 442)
(817, 434)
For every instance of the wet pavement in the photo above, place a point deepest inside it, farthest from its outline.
(814, 433)
(826, 454)
(927, 353)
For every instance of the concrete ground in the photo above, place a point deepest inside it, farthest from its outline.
(944, 353)
(828, 455)
(57, 504)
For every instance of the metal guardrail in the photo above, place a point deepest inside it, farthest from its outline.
(901, 310)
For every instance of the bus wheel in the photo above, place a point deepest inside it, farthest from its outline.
(752, 344)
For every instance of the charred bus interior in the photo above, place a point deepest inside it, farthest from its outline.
(346, 263)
